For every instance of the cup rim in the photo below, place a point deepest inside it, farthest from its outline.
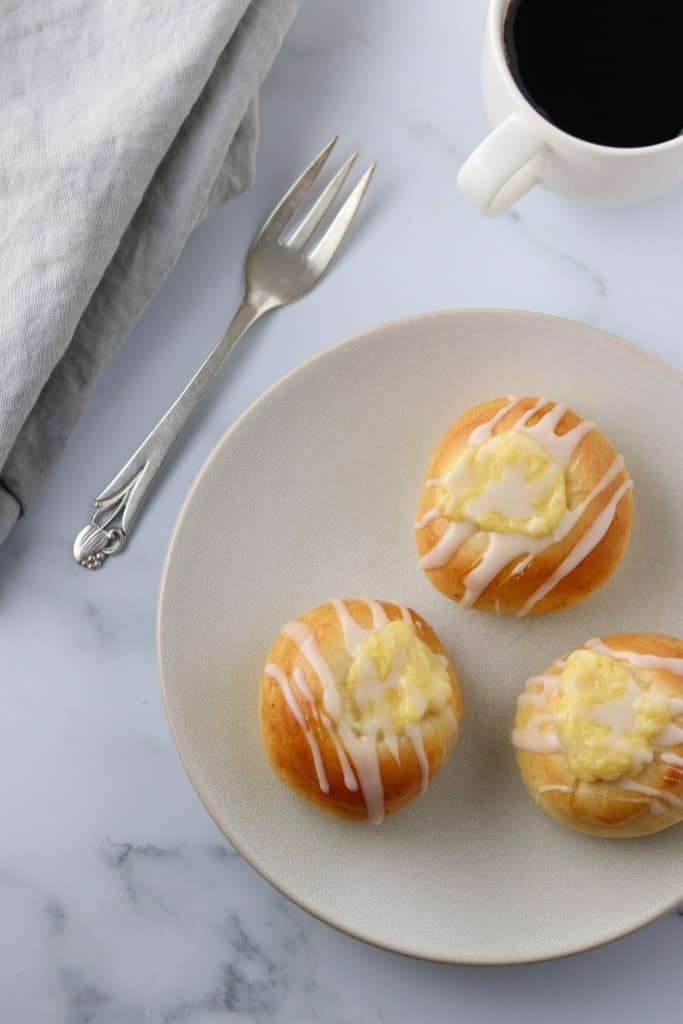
(497, 11)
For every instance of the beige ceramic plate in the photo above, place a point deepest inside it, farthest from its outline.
(311, 494)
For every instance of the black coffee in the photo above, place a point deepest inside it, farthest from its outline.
(609, 71)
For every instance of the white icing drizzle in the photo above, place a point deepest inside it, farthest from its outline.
(276, 673)
(672, 734)
(654, 806)
(350, 780)
(519, 568)
(619, 713)
(453, 539)
(363, 753)
(548, 683)
(505, 548)
(299, 679)
(670, 758)
(618, 716)
(537, 739)
(414, 734)
(379, 616)
(391, 741)
(658, 794)
(590, 540)
(511, 492)
(406, 616)
(485, 431)
(362, 750)
(584, 790)
(525, 417)
(645, 661)
(560, 447)
(304, 638)
(354, 634)
(429, 517)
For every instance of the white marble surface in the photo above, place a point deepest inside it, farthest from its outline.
(120, 902)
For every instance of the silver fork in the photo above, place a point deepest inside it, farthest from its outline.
(276, 272)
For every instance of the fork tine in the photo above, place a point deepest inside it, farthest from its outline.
(303, 233)
(325, 249)
(291, 201)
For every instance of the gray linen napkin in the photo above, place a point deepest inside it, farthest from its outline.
(122, 124)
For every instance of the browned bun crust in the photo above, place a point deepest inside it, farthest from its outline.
(601, 808)
(507, 593)
(285, 742)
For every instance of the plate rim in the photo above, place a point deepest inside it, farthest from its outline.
(403, 949)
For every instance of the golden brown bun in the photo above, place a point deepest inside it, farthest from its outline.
(602, 808)
(285, 741)
(507, 593)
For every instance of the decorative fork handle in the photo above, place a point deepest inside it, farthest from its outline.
(117, 506)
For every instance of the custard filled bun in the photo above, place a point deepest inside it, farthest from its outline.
(525, 508)
(359, 707)
(599, 736)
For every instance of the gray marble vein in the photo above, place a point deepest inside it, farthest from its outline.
(544, 240)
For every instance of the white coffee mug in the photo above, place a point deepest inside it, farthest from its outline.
(525, 149)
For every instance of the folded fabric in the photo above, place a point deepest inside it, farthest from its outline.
(124, 122)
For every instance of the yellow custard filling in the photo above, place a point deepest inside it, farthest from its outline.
(605, 719)
(395, 680)
(508, 484)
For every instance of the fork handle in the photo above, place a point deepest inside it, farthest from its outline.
(117, 506)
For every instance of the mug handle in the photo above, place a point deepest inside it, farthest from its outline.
(498, 173)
